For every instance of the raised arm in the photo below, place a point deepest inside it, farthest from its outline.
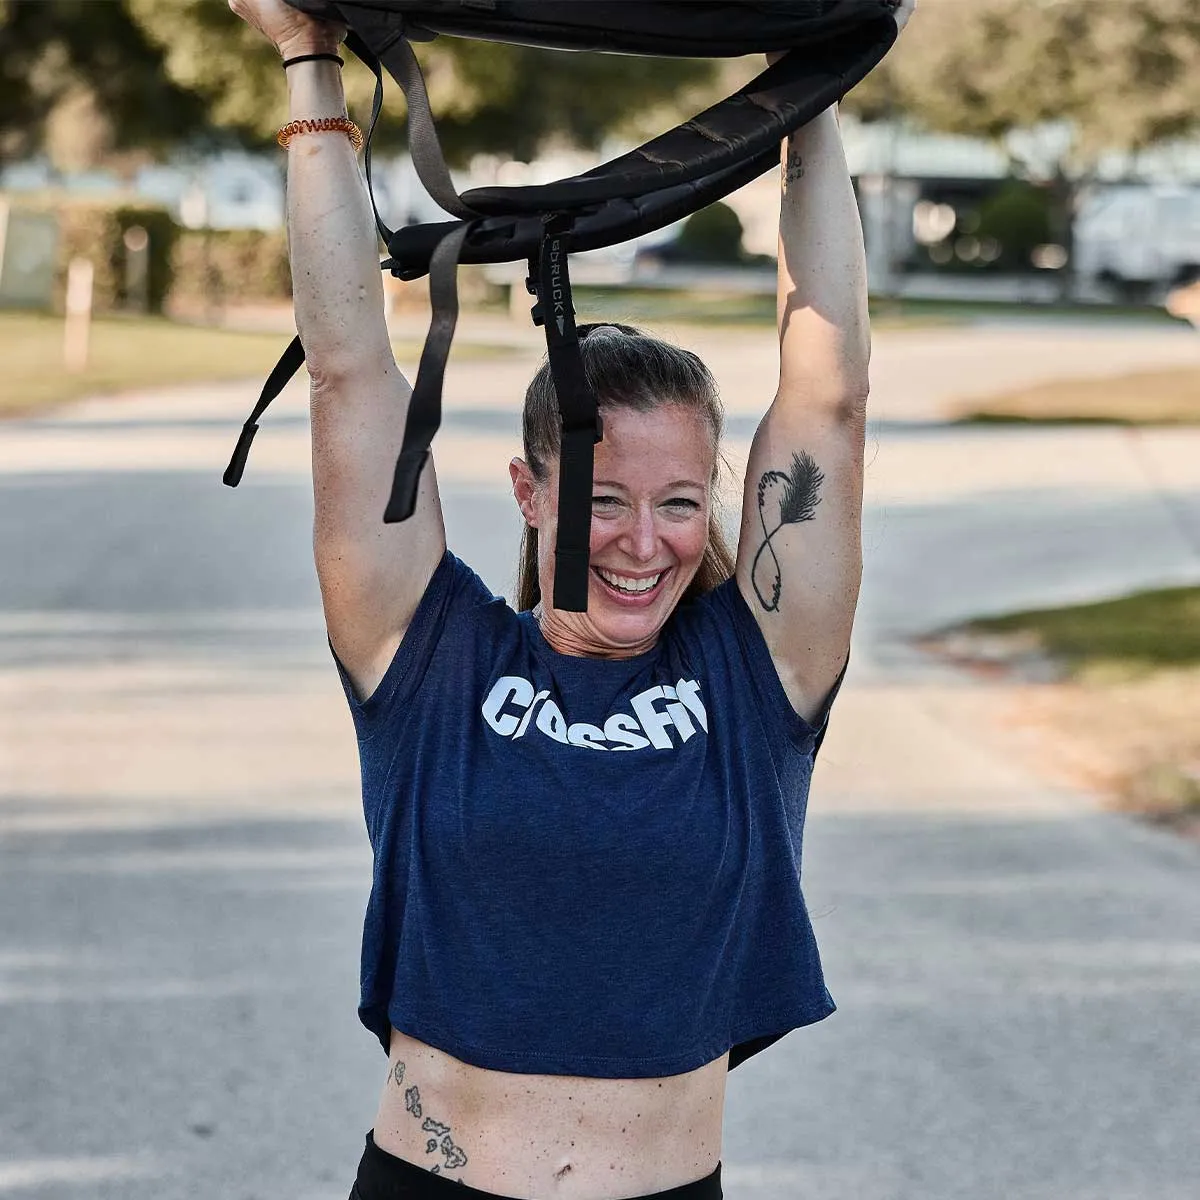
(372, 575)
(799, 558)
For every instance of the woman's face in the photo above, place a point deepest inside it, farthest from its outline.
(651, 498)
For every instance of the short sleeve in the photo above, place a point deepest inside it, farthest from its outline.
(453, 591)
(730, 621)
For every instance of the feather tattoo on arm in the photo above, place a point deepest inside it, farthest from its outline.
(798, 495)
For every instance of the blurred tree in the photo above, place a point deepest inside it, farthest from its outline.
(1056, 82)
(1018, 219)
(486, 96)
(712, 235)
(80, 80)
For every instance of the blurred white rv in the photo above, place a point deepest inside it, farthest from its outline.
(1138, 239)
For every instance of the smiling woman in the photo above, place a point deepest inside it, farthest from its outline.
(585, 826)
(656, 536)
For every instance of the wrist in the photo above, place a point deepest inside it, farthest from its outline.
(308, 45)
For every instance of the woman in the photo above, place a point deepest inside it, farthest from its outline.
(586, 826)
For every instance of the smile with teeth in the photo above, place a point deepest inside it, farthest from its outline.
(624, 583)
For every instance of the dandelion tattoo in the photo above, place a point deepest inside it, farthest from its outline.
(797, 490)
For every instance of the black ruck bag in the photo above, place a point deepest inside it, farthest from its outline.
(831, 45)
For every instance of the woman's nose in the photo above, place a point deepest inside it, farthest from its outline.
(642, 535)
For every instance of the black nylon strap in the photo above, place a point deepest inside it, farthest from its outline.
(423, 144)
(581, 424)
(508, 239)
(382, 33)
(363, 51)
(425, 403)
(288, 364)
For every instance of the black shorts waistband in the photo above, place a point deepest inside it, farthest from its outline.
(384, 1176)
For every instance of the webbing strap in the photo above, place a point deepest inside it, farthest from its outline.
(364, 52)
(288, 364)
(425, 403)
(581, 424)
(382, 34)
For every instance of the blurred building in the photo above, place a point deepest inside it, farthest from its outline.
(1136, 224)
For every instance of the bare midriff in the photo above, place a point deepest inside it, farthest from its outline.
(549, 1136)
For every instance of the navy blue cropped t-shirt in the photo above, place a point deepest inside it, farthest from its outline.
(585, 866)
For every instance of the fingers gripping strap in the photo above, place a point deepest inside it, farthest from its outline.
(425, 404)
(581, 427)
(284, 369)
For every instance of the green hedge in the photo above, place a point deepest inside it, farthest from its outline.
(184, 265)
(1018, 215)
(228, 266)
(96, 231)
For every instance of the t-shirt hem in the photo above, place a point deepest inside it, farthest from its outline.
(558, 1062)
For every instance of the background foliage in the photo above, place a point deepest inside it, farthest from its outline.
(86, 79)
(1109, 74)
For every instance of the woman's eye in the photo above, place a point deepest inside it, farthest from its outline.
(682, 502)
(604, 501)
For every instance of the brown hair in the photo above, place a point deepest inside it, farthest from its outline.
(625, 368)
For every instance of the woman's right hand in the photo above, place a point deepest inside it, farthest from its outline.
(291, 31)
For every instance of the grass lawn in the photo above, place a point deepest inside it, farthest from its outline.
(127, 353)
(1124, 638)
(715, 307)
(711, 306)
(662, 304)
(1169, 397)
(1123, 715)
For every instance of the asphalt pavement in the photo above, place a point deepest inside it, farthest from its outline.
(183, 867)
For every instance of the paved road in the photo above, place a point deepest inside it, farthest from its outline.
(182, 867)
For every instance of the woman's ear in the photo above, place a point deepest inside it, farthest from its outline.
(524, 489)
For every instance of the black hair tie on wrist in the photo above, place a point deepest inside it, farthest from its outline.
(287, 62)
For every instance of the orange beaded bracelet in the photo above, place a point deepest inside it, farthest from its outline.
(320, 125)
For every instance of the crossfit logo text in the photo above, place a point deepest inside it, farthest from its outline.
(663, 716)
